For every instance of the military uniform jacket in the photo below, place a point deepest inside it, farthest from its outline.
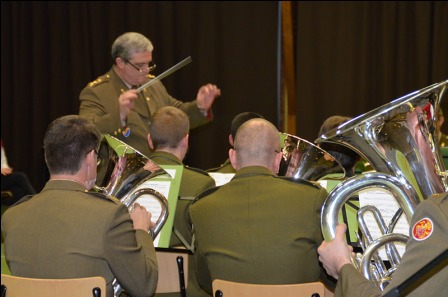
(65, 232)
(225, 167)
(99, 103)
(194, 181)
(258, 228)
(428, 239)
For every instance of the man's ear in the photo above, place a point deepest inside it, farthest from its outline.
(232, 158)
(184, 144)
(120, 62)
(277, 161)
(151, 145)
(231, 140)
(91, 160)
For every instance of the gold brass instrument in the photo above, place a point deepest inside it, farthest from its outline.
(398, 139)
(303, 159)
(122, 171)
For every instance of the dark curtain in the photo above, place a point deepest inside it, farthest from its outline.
(351, 57)
(51, 50)
(355, 56)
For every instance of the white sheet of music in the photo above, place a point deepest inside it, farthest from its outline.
(387, 205)
(221, 178)
(152, 205)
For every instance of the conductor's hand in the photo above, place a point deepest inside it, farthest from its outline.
(336, 253)
(141, 217)
(206, 96)
(126, 103)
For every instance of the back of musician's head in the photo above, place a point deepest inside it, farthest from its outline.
(345, 156)
(67, 142)
(129, 43)
(240, 119)
(168, 127)
(331, 123)
(256, 143)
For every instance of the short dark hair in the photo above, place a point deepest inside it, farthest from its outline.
(168, 126)
(344, 155)
(241, 118)
(67, 140)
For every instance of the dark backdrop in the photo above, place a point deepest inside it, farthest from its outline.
(350, 57)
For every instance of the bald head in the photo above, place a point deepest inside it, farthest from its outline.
(256, 143)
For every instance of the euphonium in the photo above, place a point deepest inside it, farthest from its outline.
(121, 172)
(398, 139)
(303, 159)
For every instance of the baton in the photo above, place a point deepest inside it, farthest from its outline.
(165, 74)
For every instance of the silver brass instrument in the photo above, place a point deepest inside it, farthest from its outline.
(122, 171)
(303, 159)
(398, 139)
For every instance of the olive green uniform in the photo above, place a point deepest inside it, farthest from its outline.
(193, 182)
(225, 167)
(99, 103)
(421, 248)
(66, 232)
(258, 228)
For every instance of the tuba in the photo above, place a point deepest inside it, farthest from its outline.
(303, 159)
(399, 141)
(121, 173)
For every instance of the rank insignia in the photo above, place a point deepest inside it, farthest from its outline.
(422, 229)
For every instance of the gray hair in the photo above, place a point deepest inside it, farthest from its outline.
(126, 45)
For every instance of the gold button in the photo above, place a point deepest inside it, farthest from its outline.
(119, 130)
(115, 133)
(148, 99)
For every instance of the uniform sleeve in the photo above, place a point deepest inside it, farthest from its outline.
(190, 108)
(352, 283)
(131, 255)
(428, 239)
(107, 119)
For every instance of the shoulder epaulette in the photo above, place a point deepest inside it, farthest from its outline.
(198, 170)
(99, 80)
(104, 196)
(302, 181)
(206, 192)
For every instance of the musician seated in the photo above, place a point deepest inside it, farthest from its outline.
(65, 231)
(237, 121)
(168, 138)
(428, 233)
(258, 228)
(349, 160)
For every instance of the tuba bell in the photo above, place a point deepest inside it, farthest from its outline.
(121, 173)
(398, 139)
(303, 159)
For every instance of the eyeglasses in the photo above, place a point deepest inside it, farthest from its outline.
(142, 67)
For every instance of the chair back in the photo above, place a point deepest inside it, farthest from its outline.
(14, 286)
(224, 288)
(173, 270)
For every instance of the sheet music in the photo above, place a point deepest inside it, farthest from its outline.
(221, 178)
(152, 205)
(387, 205)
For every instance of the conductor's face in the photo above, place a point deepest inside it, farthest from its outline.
(136, 69)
